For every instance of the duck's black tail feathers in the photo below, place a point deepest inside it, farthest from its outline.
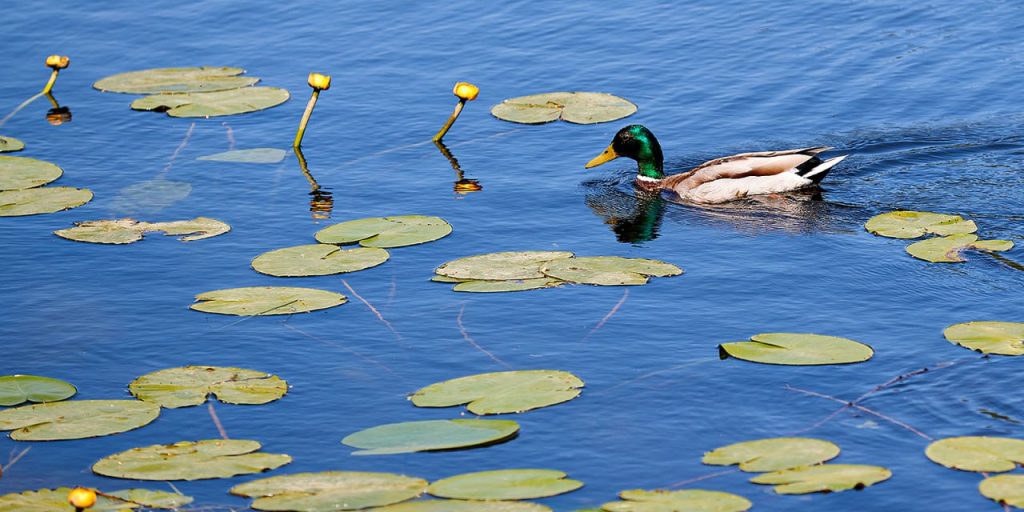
(815, 169)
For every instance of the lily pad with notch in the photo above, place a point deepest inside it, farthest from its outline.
(330, 490)
(248, 156)
(798, 349)
(1003, 338)
(386, 232)
(126, 231)
(502, 392)
(430, 435)
(176, 80)
(948, 249)
(77, 419)
(266, 300)
(501, 266)
(504, 484)
(187, 460)
(187, 386)
(35, 201)
(773, 454)
(19, 172)
(18, 389)
(911, 224)
(824, 478)
(608, 270)
(317, 260)
(977, 453)
(213, 104)
(638, 500)
(574, 107)
(10, 144)
(1004, 489)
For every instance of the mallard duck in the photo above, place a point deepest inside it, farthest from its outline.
(723, 179)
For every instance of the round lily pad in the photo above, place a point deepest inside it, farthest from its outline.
(910, 224)
(510, 285)
(977, 453)
(1003, 338)
(317, 260)
(1004, 489)
(947, 249)
(823, 478)
(190, 385)
(18, 172)
(464, 506)
(386, 232)
(502, 392)
(500, 266)
(214, 104)
(18, 389)
(796, 349)
(574, 107)
(266, 300)
(200, 460)
(33, 201)
(126, 231)
(248, 156)
(504, 484)
(608, 270)
(176, 80)
(330, 490)
(697, 500)
(10, 144)
(77, 419)
(773, 454)
(419, 436)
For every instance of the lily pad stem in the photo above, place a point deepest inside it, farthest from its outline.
(451, 120)
(53, 80)
(305, 118)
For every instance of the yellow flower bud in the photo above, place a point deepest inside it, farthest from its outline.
(57, 61)
(466, 91)
(318, 81)
(80, 497)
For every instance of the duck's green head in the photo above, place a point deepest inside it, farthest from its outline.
(637, 142)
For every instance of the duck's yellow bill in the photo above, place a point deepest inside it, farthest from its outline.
(607, 155)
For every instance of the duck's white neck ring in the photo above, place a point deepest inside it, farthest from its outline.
(646, 179)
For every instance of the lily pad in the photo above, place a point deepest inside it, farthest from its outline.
(977, 453)
(200, 460)
(695, 500)
(190, 385)
(317, 260)
(1004, 489)
(34, 201)
(266, 300)
(574, 107)
(386, 232)
(77, 419)
(18, 172)
(56, 500)
(464, 506)
(176, 80)
(823, 478)
(910, 224)
(248, 156)
(797, 349)
(445, 279)
(500, 266)
(773, 454)
(505, 484)
(152, 499)
(150, 196)
(608, 270)
(947, 249)
(18, 389)
(330, 490)
(214, 104)
(10, 144)
(1003, 338)
(420, 436)
(502, 392)
(126, 231)
(511, 285)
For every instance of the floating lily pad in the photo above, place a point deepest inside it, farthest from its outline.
(608, 270)
(502, 392)
(18, 172)
(773, 454)
(266, 300)
(190, 385)
(1004, 489)
(386, 232)
(317, 260)
(56, 500)
(200, 460)
(420, 436)
(126, 231)
(330, 490)
(248, 156)
(574, 107)
(18, 389)
(10, 144)
(500, 266)
(796, 349)
(947, 249)
(464, 506)
(1003, 338)
(909, 224)
(176, 80)
(446, 279)
(76, 419)
(505, 484)
(824, 478)
(151, 196)
(977, 453)
(511, 285)
(152, 499)
(695, 500)
(34, 201)
(214, 104)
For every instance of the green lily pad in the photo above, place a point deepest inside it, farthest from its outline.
(505, 484)
(10, 144)
(947, 249)
(214, 104)
(1004, 489)
(18, 172)
(18, 389)
(152, 499)
(797, 349)
(502, 392)
(464, 506)
(150, 196)
(317, 260)
(977, 453)
(190, 385)
(386, 232)
(574, 107)
(176, 80)
(200, 460)
(126, 231)
(608, 270)
(511, 285)
(500, 266)
(773, 454)
(266, 300)
(34, 201)
(910, 224)
(823, 478)
(1003, 338)
(248, 156)
(421, 436)
(446, 279)
(330, 490)
(77, 419)
(695, 500)
(56, 500)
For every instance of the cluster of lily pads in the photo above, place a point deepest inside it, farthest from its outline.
(954, 234)
(23, 190)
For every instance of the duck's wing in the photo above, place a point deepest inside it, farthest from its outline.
(764, 163)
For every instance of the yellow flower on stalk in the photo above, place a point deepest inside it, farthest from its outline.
(82, 498)
(319, 82)
(57, 61)
(466, 91)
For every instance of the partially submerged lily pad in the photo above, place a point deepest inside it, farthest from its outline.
(317, 260)
(150, 196)
(18, 389)
(504, 484)
(214, 104)
(386, 232)
(464, 506)
(1004, 489)
(947, 249)
(799, 349)
(502, 392)
(56, 500)
(126, 231)
(77, 419)
(18, 172)
(608, 270)
(420, 436)
(696, 500)
(510, 285)
(911, 224)
(190, 385)
(574, 107)
(34, 201)
(823, 478)
(1003, 338)
(176, 80)
(500, 266)
(266, 300)
(10, 144)
(773, 454)
(248, 156)
(200, 460)
(330, 490)
(977, 453)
